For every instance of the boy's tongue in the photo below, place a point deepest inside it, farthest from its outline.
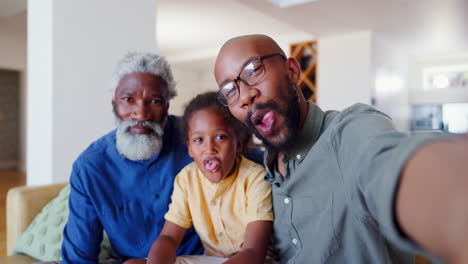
(212, 165)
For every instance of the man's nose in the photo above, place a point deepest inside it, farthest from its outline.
(247, 94)
(141, 112)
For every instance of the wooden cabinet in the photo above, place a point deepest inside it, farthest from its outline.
(306, 54)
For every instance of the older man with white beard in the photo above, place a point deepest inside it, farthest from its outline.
(122, 183)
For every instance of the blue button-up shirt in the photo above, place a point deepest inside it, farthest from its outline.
(126, 198)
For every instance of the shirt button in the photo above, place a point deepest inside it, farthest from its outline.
(220, 234)
(294, 241)
(213, 203)
(157, 196)
(298, 156)
(286, 200)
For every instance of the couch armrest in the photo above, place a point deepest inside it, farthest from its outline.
(23, 204)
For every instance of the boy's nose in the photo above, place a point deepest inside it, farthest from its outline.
(210, 146)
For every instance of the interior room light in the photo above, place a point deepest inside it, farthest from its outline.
(388, 83)
(445, 76)
(289, 3)
(441, 81)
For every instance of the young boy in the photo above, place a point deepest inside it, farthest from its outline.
(222, 194)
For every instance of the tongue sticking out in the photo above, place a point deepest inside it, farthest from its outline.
(266, 125)
(212, 165)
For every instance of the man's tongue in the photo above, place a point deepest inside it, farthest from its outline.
(266, 125)
(212, 165)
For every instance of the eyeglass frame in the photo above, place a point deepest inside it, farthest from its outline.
(238, 78)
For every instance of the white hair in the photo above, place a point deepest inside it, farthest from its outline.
(145, 62)
(138, 147)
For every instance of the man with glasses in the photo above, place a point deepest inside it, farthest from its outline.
(347, 187)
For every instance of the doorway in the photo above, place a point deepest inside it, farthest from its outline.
(9, 119)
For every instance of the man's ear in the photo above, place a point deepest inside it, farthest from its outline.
(294, 70)
(114, 105)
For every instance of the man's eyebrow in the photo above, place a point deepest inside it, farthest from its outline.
(128, 93)
(224, 83)
(249, 60)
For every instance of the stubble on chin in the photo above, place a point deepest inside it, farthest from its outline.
(283, 137)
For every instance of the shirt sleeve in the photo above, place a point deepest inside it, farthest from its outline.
(371, 154)
(83, 232)
(259, 203)
(179, 212)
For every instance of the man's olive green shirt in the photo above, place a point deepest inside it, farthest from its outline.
(336, 201)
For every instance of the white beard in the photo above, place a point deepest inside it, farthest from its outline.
(139, 147)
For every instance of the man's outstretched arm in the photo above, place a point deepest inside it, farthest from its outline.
(432, 198)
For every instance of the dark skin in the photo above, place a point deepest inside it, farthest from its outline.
(268, 89)
(434, 183)
(253, 249)
(216, 139)
(141, 96)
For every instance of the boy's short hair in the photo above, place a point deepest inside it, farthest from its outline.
(208, 100)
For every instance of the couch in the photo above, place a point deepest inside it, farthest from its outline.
(22, 205)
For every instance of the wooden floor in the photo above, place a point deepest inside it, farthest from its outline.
(8, 179)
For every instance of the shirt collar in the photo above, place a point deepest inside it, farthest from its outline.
(307, 137)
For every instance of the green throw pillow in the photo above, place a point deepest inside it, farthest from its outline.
(43, 238)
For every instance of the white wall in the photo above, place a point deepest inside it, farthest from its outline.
(73, 47)
(390, 81)
(419, 96)
(13, 42)
(39, 128)
(192, 77)
(13, 57)
(344, 70)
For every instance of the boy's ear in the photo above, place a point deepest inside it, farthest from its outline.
(189, 150)
(239, 146)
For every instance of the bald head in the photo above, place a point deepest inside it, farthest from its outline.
(263, 42)
(243, 48)
(240, 49)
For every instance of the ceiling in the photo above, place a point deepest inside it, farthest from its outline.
(188, 29)
(191, 30)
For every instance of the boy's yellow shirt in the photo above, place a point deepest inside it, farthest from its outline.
(221, 211)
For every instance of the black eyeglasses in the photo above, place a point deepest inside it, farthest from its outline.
(252, 73)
